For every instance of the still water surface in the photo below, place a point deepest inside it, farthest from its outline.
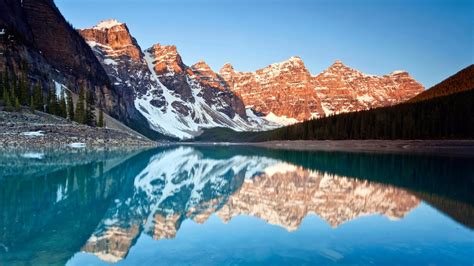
(235, 205)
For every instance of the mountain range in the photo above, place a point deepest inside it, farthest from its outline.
(154, 92)
(180, 100)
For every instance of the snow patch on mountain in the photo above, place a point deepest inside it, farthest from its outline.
(168, 120)
(281, 120)
(107, 24)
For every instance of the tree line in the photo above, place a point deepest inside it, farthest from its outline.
(18, 92)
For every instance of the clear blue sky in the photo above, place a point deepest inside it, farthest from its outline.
(431, 39)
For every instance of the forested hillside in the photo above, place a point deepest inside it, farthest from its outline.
(461, 81)
(444, 117)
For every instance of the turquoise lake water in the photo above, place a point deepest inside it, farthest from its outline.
(235, 205)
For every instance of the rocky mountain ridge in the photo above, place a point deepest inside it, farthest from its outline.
(337, 89)
(175, 100)
(180, 100)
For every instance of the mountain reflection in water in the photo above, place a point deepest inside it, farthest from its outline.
(100, 203)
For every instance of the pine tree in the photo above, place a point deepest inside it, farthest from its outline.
(5, 85)
(23, 91)
(1, 84)
(6, 100)
(53, 103)
(32, 104)
(90, 109)
(62, 106)
(80, 114)
(101, 123)
(13, 86)
(17, 104)
(38, 101)
(70, 106)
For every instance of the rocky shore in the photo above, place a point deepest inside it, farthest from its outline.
(26, 130)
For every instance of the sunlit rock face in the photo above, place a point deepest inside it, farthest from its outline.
(184, 184)
(284, 89)
(122, 58)
(114, 37)
(288, 90)
(285, 194)
(344, 89)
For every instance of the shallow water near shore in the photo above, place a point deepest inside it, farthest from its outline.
(220, 205)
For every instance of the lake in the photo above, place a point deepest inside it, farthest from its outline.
(228, 205)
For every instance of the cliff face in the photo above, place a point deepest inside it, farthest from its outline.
(121, 57)
(344, 89)
(289, 91)
(115, 36)
(37, 40)
(284, 89)
(185, 81)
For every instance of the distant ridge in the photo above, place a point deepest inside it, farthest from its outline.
(461, 81)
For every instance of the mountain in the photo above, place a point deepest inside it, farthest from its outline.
(181, 101)
(343, 89)
(461, 81)
(173, 99)
(288, 92)
(37, 42)
(445, 117)
(121, 57)
(282, 91)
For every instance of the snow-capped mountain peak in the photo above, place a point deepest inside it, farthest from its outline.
(107, 24)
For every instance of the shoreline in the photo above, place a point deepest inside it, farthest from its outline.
(432, 147)
(67, 136)
(28, 130)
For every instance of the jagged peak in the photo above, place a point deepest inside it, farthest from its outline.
(170, 49)
(107, 24)
(201, 65)
(339, 66)
(339, 63)
(226, 68)
(292, 60)
(295, 59)
(399, 72)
